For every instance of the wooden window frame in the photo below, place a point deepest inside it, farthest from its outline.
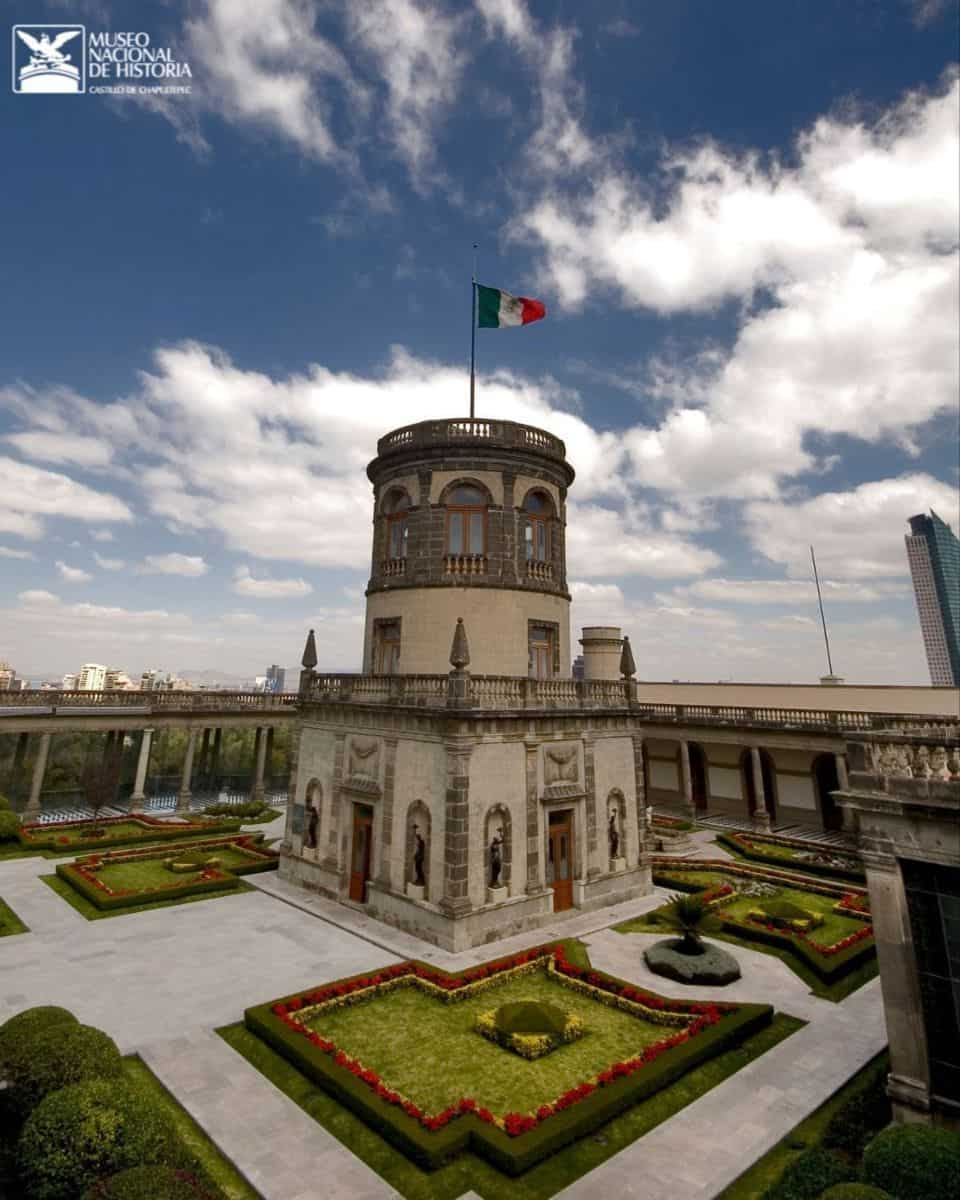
(465, 512)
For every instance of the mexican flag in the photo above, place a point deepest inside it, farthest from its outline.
(496, 309)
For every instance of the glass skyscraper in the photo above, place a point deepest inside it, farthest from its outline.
(933, 551)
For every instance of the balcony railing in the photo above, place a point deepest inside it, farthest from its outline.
(506, 434)
(151, 701)
(504, 693)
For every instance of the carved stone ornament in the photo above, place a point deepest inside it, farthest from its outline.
(365, 757)
(561, 771)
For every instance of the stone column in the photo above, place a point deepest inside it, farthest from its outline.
(286, 846)
(908, 1083)
(32, 811)
(269, 759)
(686, 783)
(640, 787)
(183, 796)
(16, 764)
(843, 782)
(761, 816)
(260, 752)
(590, 787)
(203, 771)
(456, 837)
(138, 796)
(215, 758)
(386, 822)
(337, 848)
(534, 880)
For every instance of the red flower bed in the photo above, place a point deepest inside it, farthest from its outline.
(515, 1124)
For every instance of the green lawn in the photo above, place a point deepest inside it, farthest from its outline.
(218, 1169)
(834, 925)
(467, 1172)
(92, 913)
(431, 1053)
(151, 872)
(10, 923)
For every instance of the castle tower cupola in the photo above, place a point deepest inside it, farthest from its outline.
(469, 520)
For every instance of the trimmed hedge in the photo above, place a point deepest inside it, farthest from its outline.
(153, 830)
(60, 1056)
(21, 1029)
(854, 1191)
(9, 826)
(81, 1133)
(809, 1175)
(859, 1120)
(828, 967)
(792, 864)
(153, 1182)
(177, 891)
(430, 1149)
(914, 1162)
(5, 805)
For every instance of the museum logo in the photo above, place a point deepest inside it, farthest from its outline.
(66, 59)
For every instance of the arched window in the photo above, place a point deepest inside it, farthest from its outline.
(466, 520)
(536, 527)
(396, 506)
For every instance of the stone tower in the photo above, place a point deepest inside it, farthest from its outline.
(469, 521)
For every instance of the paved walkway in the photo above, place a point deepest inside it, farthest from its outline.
(159, 982)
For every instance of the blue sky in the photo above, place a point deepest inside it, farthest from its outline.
(742, 219)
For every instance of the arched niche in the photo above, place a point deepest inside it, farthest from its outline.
(312, 815)
(497, 820)
(617, 814)
(417, 815)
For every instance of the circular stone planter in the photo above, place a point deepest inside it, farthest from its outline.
(714, 967)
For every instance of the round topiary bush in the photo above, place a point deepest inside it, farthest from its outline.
(854, 1191)
(531, 1016)
(714, 966)
(58, 1057)
(809, 1175)
(9, 825)
(90, 1130)
(914, 1162)
(153, 1182)
(25, 1026)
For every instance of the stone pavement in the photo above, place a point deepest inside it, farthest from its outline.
(159, 983)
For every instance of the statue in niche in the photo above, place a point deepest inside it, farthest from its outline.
(496, 858)
(419, 850)
(364, 756)
(561, 765)
(313, 819)
(612, 833)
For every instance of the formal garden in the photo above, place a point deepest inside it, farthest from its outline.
(117, 881)
(797, 855)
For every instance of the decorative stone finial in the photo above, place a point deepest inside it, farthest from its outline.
(628, 667)
(309, 660)
(460, 650)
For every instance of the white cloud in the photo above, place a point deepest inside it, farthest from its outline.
(28, 494)
(73, 574)
(190, 565)
(847, 267)
(413, 45)
(101, 535)
(62, 448)
(857, 534)
(788, 591)
(244, 584)
(7, 552)
(603, 542)
(35, 596)
(108, 564)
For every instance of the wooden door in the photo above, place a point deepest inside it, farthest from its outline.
(360, 852)
(560, 858)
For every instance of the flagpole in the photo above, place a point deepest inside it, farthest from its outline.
(823, 620)
(473, 332)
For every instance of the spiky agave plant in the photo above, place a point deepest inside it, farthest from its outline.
(690, 916)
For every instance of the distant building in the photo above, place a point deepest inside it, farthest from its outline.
(69, 683)
(933, 551)
(118, 681)
(91, 678)
(577, 668)
(7, 677)
(275, 679)
(150, 681)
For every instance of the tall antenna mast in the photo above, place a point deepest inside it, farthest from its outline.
(823, 620)
(473, 332)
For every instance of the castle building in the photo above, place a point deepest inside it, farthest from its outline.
(465, 805)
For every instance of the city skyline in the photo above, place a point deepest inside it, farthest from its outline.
(750, 340)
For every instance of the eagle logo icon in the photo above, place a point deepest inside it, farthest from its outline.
(48, 68)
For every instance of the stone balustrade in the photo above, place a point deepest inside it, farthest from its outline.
(903, 751)
(152, 701)
(457, 431)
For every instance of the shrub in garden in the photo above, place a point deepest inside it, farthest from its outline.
(9, 826)
(57, 1057)
(153, 1182)
(5, 804)
(915, 1162)
(809, 1175)
(90, 1130)
(854, 1191)
(24, 1027)
(860, 1119)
